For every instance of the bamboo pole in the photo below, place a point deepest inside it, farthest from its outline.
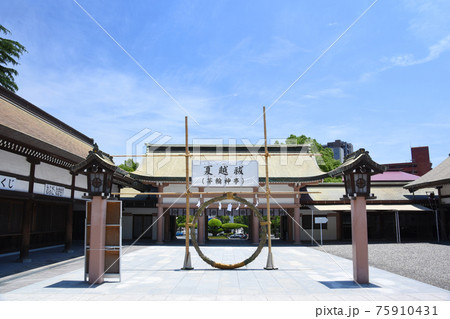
(269, 265)
(187, 258)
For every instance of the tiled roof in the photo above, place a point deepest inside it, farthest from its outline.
(289, 166)
(438, 176)
(356, 159)
(23, 122)
(394, 176)
(335, 192)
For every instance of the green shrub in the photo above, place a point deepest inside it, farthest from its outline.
(214, 226)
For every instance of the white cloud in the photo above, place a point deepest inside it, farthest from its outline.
(434, 52)
(429, 19)
(111, 106)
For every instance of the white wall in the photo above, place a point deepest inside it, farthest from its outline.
(327, 234)
(53, 173)
(13, 163)
(81, 181)
(445, 191)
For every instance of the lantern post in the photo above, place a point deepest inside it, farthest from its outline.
(99, 170)
(357, 170)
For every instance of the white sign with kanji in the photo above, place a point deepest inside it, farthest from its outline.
(225, 174)
(7, 182)
(54, 190)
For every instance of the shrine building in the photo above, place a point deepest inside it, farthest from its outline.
(292, 168)
(43, 203)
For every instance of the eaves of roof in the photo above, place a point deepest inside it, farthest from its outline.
(354, 160)
(438, 176)
(24, 122)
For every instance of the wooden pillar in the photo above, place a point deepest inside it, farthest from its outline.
(206, 224)
(360, 241)
(97, 240)
(201, 222)
(297, 216)
(160, 220)
(254, 222)
(201, 229)
(28, 214)
(167, 230)
(290, 236)
(160, 225)
(255, 229)
(69, 219)
(282, 227)
(297, 225)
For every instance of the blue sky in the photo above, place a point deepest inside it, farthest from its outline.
(383, 86)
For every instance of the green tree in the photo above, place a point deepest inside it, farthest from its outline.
(10, 52)
(129, 165)
(181, 221)
(275, 225)
(232, 226)
(241, 220)
(326, 162)
(224, 219)
(214, 226)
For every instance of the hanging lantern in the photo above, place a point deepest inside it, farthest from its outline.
(357, 182)
(99, 180)
(357, 169)
(99, 169)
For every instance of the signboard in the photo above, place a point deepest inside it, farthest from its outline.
(7, 182)
(53, 190)
(320, 220)
(224, 174)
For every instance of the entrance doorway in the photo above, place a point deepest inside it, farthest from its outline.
(140, 224)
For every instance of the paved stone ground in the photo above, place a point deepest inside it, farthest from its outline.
(425, 262)
(43, 264)
(153, 273)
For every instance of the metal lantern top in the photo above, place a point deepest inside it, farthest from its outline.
(99, 180)
(100, 169)
(357, 169)
(357, 182)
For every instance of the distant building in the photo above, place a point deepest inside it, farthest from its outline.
(420, 162)
(340, 149)
(439, 179)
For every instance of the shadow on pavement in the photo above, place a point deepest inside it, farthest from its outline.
(9, 264)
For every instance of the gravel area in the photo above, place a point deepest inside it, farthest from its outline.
(425, 262)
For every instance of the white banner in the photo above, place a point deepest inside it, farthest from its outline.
(224, 174)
